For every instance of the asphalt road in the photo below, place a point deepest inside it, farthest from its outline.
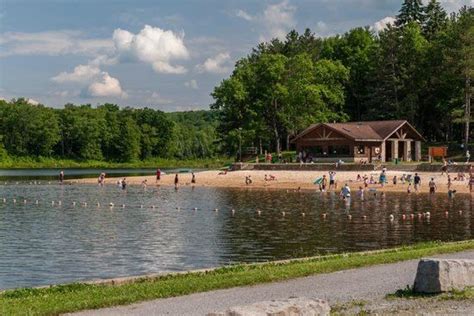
(370, 283)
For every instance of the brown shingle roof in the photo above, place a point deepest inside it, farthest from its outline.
(363, 131)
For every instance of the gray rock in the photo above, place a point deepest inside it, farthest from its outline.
(442, 275)
(289, 307)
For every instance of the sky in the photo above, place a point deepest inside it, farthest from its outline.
(167, 55)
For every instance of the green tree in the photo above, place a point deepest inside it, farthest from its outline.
(435, 19)
(412, 11)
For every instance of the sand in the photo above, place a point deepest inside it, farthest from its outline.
(291, 180)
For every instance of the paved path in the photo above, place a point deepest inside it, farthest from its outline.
(363, 283)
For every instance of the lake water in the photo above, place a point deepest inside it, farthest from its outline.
(76, 173)
(44, 244)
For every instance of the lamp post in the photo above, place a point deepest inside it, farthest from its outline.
(240, 144)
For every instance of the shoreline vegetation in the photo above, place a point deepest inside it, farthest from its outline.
(164, 163)
(73, 297)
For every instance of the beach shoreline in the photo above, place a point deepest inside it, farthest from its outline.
(290, 180)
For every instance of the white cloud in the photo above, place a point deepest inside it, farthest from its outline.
(106, 86)
(80, 74)
(218, 64)
(32, 102)
(191, 84)
(154, 46)
(244, 15)
(380, 25)
(278, 19)
(52, 43)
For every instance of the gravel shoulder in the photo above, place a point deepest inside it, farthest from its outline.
(348, 291)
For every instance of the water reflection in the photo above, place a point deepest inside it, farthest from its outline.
(44, 244)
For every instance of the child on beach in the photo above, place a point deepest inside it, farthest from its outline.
(432, 186)
(176, 181)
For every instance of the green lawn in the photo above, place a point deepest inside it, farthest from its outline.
(74, 297)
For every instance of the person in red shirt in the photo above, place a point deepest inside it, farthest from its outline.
(158, 175)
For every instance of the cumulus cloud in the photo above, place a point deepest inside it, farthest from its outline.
(244, 15)
(218, 64)
(81, 74)
(380, 25)
(154, 46)
(157, 99)
(106, 86)
(52, 43)
(191, 84)
(278, 19)
(32, 102)
(99, 83)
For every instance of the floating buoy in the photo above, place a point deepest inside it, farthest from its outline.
(216, 210)
(141, 205)
(233, 211)
(195, 209)
(446, 213)
(349, 216)
(14, 200)
(73, 203)
(4, 200)
(98, 204)
(404, 216)
(259, 212)
(460, 212)
(24, 201)
(324, 215)
(85, 204)
(59, 202)
(52, 202)
(123, 206)
(303, 214)
(36, 202)
(111, 204)
(391, 217)
(283, 213)
(427, 214)
(364, 217)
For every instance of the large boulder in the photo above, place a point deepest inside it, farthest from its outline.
(289, 307)
(441, 275)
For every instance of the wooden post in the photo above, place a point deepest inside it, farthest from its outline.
(394, 149)
(417, 150)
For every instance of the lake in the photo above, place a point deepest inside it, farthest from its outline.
(159, 229)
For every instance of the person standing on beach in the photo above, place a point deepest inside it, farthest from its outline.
(176, 181)
(417, 182)
(61, 177)
(449, 182)
(332, 180)
(432, 186)
(324, 183)
(444, 168)
(158, 174)
(193, 178)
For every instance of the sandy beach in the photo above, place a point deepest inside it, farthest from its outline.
(291, 180)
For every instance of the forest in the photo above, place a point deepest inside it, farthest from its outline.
(419, 69)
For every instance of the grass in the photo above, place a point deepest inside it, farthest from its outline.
(55, 300)
(44, 162)
(457, 295)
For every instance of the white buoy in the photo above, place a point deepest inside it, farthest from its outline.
(233, 211)
(324, 215)
(52, 202)
(111, 204)
(460, 212)
(303, 214)
(216, 210)
(4, 200)
(36, 202)
(85, 204)
(349, 217)
(427, 214)
(24, 201)
(364, 217)
(195, 209)
(14, 200)
(73, 203)
(391, 217)
(59, 203)
(283, 213)
(98, 204)
(141, 205)
(259, 212)
(123, 205)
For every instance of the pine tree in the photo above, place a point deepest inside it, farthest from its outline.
(435, 19)
(411, 11)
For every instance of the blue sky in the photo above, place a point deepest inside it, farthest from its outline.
(162, 54)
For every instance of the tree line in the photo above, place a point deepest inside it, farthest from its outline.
(419, 69)
(105, 132)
